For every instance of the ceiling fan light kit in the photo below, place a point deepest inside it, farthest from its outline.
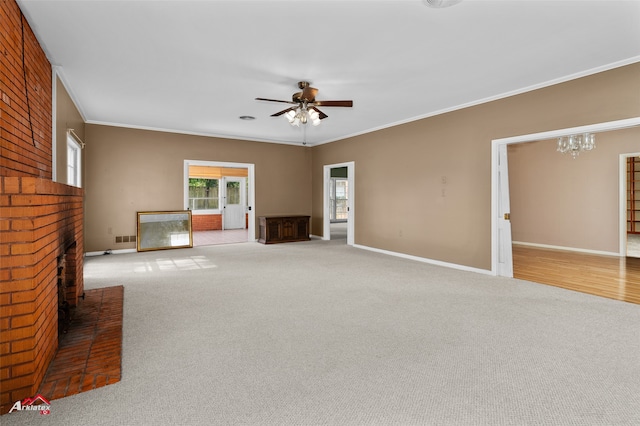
(302, 115)
(305, 109)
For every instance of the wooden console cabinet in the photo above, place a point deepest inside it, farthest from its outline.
(283, 229)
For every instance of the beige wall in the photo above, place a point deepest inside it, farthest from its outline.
(67, 117)
(559, 201)
(129, 170)
(401, 202)
(423, 188)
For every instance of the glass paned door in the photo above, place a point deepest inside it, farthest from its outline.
(235, 195)
(338, 199)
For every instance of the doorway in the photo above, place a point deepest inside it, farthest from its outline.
(338, 204)
(225, 212)
(501, 244)
(630, 204)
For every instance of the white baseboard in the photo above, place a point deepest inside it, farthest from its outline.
(426, 260)
(547, 246)
(100, 253)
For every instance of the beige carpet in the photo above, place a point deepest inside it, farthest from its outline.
(320, 333)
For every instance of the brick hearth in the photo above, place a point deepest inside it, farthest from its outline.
(90, 353)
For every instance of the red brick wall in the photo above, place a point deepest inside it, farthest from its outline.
(206, 222)
(26, 126)
(210, 222)
(40, 220)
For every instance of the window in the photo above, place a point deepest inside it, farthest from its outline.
(233, 193)
(203, 193)
(73, 162)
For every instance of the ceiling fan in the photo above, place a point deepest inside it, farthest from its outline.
(305, 107)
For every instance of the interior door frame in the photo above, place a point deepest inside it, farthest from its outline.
(623, 200)
(504, 255)
(251, 198)
(351, 191)
(495, 168)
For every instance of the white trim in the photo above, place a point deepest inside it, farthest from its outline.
(520, 91)
(425, 260)
(192, 133)
(54, 126)
(251, 197)
(552, 247)
(504, 250)
(622, 197)
(592, 128)
(103, 253)
(74, 145)
(537, 86)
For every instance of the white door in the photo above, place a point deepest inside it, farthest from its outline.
(505, 255)
(234, 202)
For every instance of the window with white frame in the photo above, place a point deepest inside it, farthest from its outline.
(73, 162)
(203, 194)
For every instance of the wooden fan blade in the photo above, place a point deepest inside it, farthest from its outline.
(276, 100)
(334, 103)
(284, 111)
(321, 115)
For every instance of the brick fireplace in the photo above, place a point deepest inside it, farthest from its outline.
(41, 221)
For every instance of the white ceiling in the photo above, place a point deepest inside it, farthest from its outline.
(197, 66)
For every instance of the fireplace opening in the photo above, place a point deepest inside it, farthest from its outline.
(64, 308)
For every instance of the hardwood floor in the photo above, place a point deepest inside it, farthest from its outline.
(607, 276)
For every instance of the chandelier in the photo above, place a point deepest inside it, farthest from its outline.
(303, 115)
(575, 144)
